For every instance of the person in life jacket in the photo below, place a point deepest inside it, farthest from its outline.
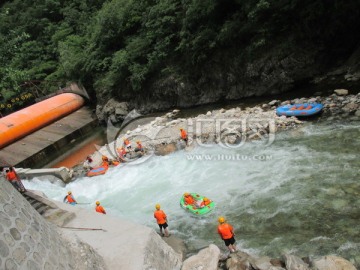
(87, 164)
(183, 135)
(139, 147)
(122, 153)
(14, 179)
(69, 198)
(99, 208)
(161, 220)
(127, 144)
(205, 202)
(105, 162)
(190, 200)
(227, 234)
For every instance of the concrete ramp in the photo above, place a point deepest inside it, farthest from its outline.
(62, 173)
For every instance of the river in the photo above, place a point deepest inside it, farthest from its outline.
(299, 194)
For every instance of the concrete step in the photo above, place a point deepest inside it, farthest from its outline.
(41, 210)
(58, 217)
(37, 204)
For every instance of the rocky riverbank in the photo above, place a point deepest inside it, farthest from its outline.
(226, 127)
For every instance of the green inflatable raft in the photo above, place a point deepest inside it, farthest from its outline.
(195, 210)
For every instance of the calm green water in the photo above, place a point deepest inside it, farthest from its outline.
(300, 194)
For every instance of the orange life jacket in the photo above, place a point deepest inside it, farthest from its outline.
(100, 209)
(139, 145)
(205, 203)
(225, 230)
(183, 134)
(160, 216)
(105, 164)
(126, 142)
(189, 200)
(11, 175)
(70, 199)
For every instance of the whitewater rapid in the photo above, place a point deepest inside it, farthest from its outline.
(297, 194)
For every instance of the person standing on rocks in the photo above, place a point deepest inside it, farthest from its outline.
(99, 208)
(70, 199)
(161, 220)
(227, 234)
(184, 136)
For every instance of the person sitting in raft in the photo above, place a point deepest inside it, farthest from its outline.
(127, 144)
(69, 198)
(105, 162)
(87, 164)
(183, 135)
(139, 147)
(114, 162)
(99, 208)
(189, 199)
(205, 202)
(122, 153)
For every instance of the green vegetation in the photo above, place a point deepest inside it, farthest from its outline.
(119, 47)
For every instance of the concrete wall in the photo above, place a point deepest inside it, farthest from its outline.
(28, 241)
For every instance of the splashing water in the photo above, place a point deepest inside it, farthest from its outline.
(300, 194)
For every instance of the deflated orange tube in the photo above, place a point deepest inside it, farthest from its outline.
(21, 123)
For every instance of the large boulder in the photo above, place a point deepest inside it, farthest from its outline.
(341, 92)
(294, 263)
(239, 261)
(333, 263)
(114, 110)
(206, 259)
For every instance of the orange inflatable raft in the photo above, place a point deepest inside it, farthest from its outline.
(21, 123)
(97, 171)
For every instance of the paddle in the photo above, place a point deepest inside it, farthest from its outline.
(84, 229)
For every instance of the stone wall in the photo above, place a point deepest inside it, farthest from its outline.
(28, 241)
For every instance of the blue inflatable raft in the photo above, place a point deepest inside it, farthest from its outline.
(303, 109)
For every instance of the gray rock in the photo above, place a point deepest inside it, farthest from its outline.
(350, 107)
(273, 102)
(206, 259)
(341, 92)
(239, 261)
(294, 263)
(262, 263)
(333, 263)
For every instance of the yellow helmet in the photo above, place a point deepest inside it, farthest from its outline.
(186, 194)
(157, 206)
(97, 203)
(69, 192)
(221, 220)
(205, 199)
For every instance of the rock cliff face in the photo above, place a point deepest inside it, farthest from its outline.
(227, 77)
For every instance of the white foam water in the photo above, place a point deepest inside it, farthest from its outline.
(281, 197)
